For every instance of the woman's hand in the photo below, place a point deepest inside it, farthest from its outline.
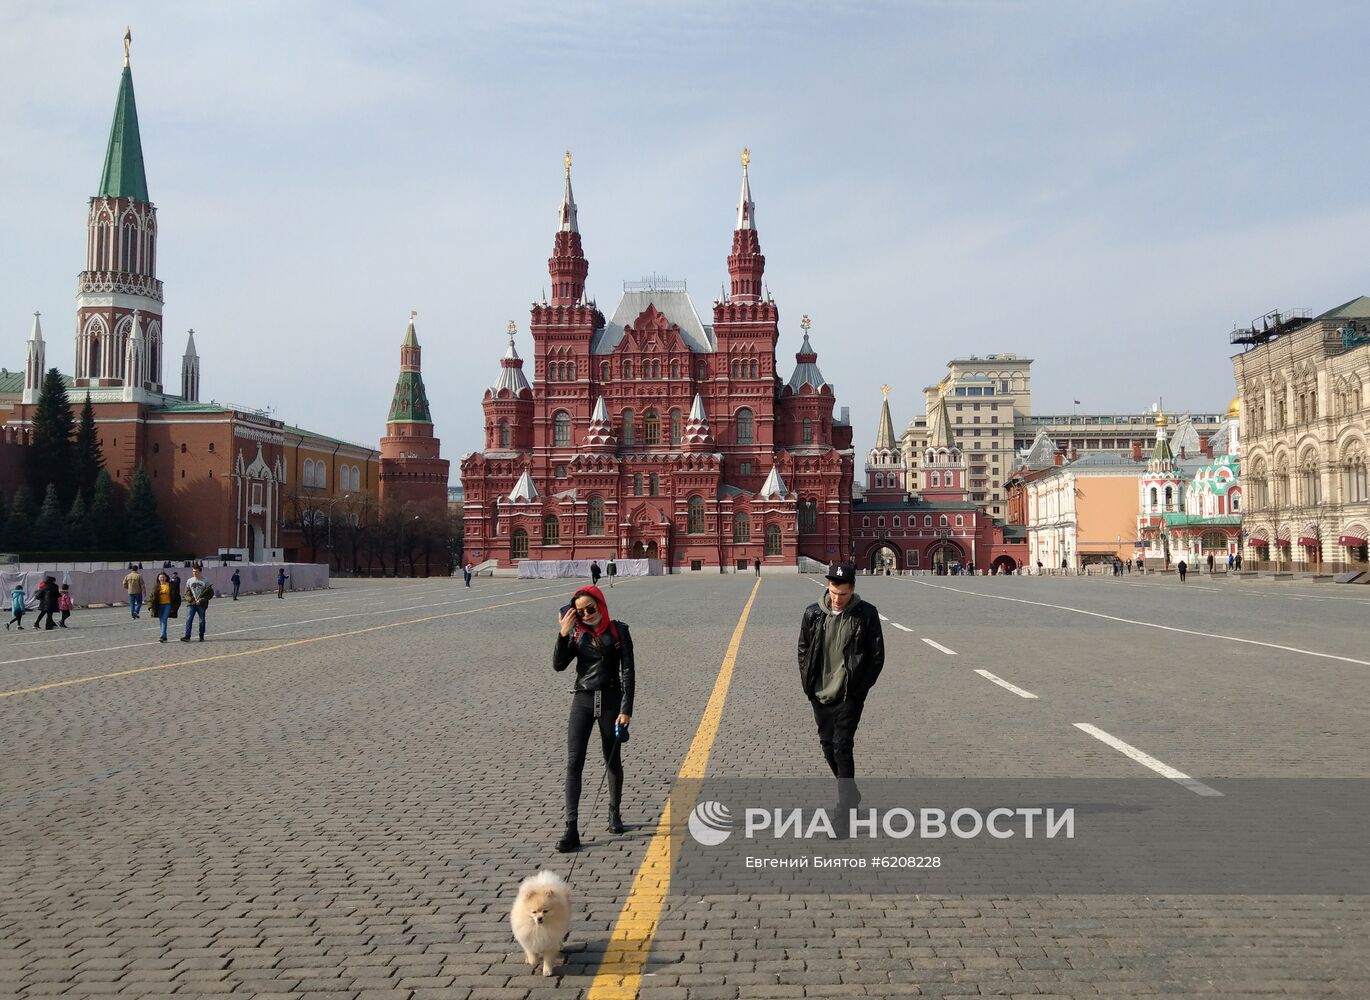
(623, 720)
(568, 622)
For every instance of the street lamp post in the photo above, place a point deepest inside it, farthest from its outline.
(403, 552)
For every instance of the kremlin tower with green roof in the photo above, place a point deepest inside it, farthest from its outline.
(413, 471)
(119, 299)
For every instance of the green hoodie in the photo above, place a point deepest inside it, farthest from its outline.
(832, 678)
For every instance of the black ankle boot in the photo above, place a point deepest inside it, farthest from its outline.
(616, 821)
(570, 840)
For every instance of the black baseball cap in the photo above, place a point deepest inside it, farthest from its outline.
(842, 572)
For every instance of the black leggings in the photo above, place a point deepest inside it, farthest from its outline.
(578, 729)
(837, 736)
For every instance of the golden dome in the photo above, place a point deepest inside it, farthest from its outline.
(1234, 408)
(1161, 419)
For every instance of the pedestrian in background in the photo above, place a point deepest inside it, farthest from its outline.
(758, 567)
(594, 573)
(1183, 568)
(237, 582)
(64, 604)
(611, 570)
(47, 603)
(280, 583)
(133, 584)
(466, 572)
(197, 594)
(1210, 564)
(161, 601)
(16, 607)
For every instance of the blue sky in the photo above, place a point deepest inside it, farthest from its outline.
(1107, 189)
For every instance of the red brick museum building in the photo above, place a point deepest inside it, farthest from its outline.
(651, 434)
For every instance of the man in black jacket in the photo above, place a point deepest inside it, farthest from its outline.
(841, 654)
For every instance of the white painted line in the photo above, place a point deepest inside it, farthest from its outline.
(1005, 684)
(1134, 621)
(901, 628)
(883, 618)
(1146, 760)
(938, 645)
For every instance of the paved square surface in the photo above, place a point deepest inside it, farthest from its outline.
(336, 795)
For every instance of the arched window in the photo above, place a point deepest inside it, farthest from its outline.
(504, 434)
(628, 435)
(942, 521)
(627, 369)
(1311, 481)
(772, 539)
(551, 530)
(732, 368)
(129, 245)
(656, 369)
(702, 371)
(518, 548)
(927, 520)
(651, 429)
(571, 372)
(675, 427)
(637, 484)
(808, 516)
(653, 485)
(935, 479)
(308, 472)
(753, 369)
(595, 519)
(1154, 498)
(879, 480)
(695, 523)
(675, 368)
(1169, 498)
(960, 521)
(561, 429)
(604, 371)
(896, 520)
(808, 431)
(744, 426)
(742, 529)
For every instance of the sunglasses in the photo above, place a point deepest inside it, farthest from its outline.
(586, 612)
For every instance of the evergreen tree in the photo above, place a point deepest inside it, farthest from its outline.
(106, 518)
(145, 532)
(50, 456)
(18, 534)
(87, 458)
(80, 527)
(50, 533)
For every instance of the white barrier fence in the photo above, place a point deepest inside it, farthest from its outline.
(106, 586)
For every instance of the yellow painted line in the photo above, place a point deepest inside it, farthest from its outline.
(267, 649)
(619, 976)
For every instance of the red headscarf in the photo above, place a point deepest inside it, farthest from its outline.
(605, 622)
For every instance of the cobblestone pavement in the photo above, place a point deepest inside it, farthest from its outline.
(336, 794)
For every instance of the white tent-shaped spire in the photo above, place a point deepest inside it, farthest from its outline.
(567, 221)
(774, 487)
(36, 365)
(524, 491)
(600, 433)
(746, 208)
(697, 432)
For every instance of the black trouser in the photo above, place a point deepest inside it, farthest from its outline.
(39, 622)
(837, 735)
(578, 729)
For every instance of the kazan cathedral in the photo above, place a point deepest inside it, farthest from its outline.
(653, 435)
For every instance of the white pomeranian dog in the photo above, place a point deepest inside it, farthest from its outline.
(541, 918)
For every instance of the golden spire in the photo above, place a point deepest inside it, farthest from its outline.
(568, 163)
(128, 40)
(885, 390)
(746, 157)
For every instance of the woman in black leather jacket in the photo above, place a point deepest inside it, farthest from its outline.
(603, 652)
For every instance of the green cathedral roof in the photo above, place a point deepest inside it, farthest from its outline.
(123, 176)
(410, 405)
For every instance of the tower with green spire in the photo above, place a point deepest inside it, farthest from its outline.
(413, 471)
(119, 287)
